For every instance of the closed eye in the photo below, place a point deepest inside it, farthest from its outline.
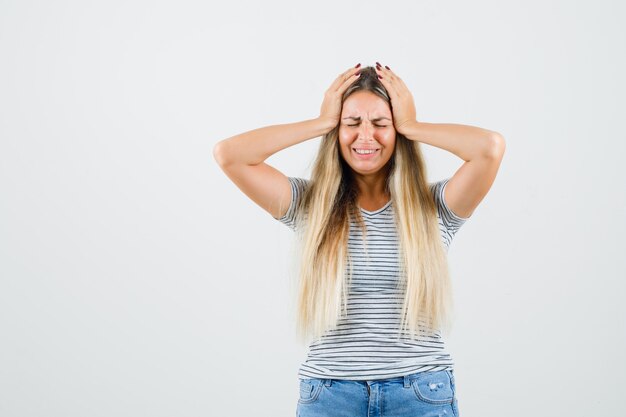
(374, 125)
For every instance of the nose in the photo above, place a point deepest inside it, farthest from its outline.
(365, 131)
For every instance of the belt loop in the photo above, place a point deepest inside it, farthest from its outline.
(328, 382)
(407, 381)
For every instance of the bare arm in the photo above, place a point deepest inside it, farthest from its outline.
(242, 156)
(466, 142)
(481, 149)
(255, 146)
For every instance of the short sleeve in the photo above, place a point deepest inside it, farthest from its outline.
(298, 186)
(450, 222)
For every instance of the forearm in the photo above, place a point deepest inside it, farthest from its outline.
(255, 146)
(466, 142)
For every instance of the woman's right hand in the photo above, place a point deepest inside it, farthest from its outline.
(331, 106)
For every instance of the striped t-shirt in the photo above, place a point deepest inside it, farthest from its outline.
(363, 345)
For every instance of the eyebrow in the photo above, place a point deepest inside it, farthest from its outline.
(358, 119)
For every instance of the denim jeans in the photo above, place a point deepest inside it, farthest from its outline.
(419, 394)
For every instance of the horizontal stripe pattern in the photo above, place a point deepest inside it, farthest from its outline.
(364, 345)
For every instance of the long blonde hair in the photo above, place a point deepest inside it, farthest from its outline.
(323, 216)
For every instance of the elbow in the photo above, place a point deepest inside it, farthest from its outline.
(220, 154)
(496, 146)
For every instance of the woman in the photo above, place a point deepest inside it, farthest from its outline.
(374, 289)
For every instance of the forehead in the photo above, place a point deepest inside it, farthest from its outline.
(365, 102)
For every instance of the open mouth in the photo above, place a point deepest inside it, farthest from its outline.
(365, 152)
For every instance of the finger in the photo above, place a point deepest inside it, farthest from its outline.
(397, 79)
(386, 73)
(393, 82)
(389, 82)
(394, 77)
(342, 78)
(337, 81)
(352, 78)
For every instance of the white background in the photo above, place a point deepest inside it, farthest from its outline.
(137, 280)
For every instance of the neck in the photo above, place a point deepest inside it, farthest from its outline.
(372, 186)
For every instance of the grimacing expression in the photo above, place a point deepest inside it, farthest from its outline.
(366, 125)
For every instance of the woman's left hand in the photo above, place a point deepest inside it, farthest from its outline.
(402, 105)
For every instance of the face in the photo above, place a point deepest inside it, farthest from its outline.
(366, 124)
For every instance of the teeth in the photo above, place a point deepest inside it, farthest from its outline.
(365, 152)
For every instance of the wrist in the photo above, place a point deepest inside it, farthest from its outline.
(408, 126)
(326, 124)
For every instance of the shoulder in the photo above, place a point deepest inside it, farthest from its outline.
(449, 218)
(298, 187)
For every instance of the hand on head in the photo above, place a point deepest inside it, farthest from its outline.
(331, 106)
(402, 104)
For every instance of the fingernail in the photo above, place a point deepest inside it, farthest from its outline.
(380, 77)
(358, 65)
(377, 64)
(387, 67)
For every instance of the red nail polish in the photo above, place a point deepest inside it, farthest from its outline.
(380, 77)
(387, 67)
(358, 65)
